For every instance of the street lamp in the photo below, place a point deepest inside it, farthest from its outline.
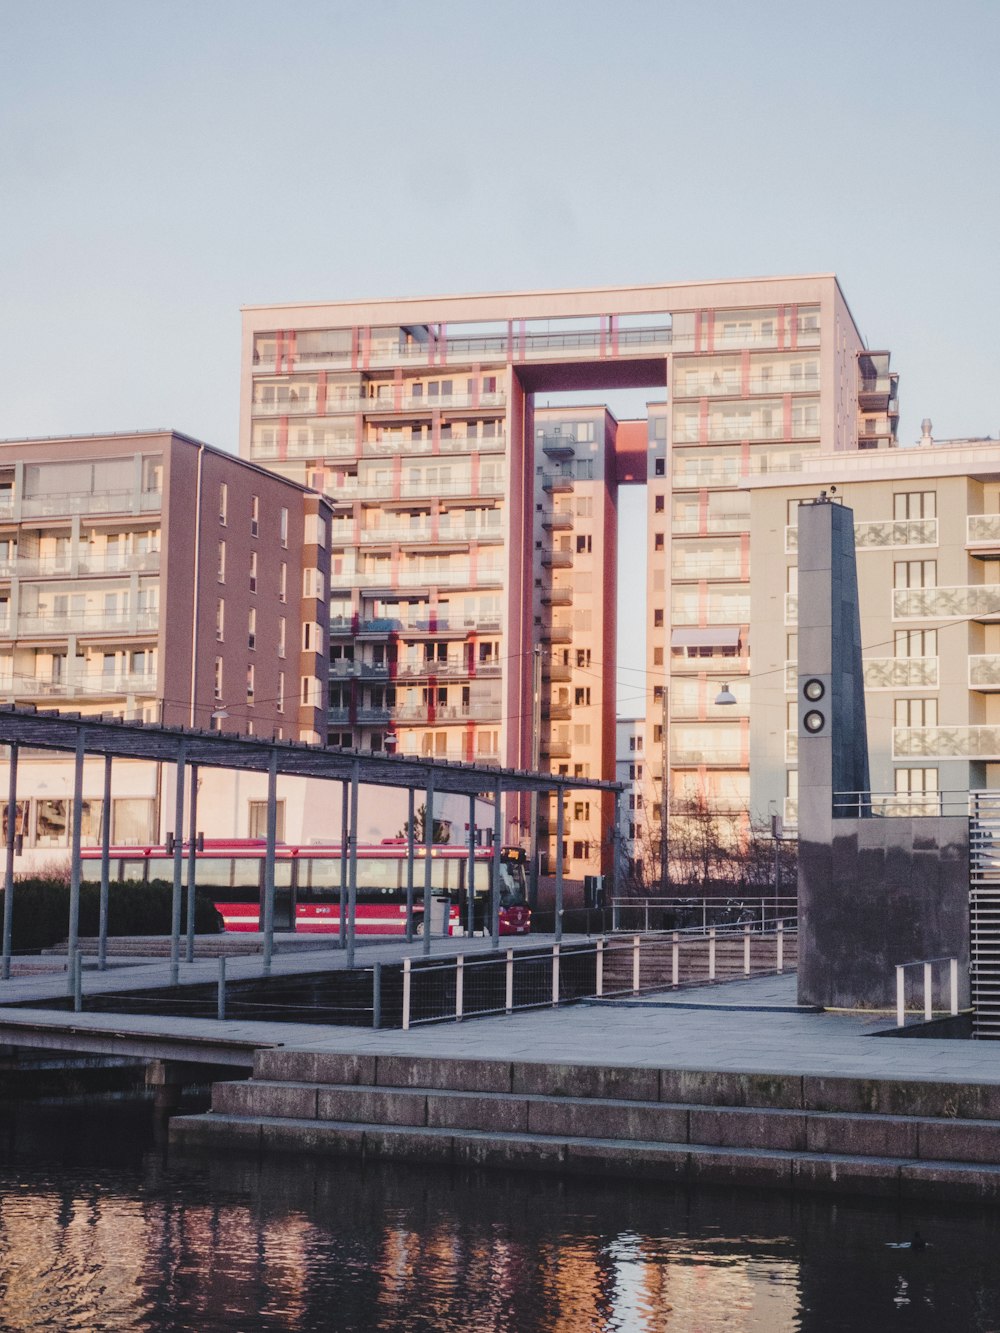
(725, 695)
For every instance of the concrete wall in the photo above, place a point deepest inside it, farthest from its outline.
(886, 891)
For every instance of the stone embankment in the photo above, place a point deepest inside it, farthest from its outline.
(888, 1137)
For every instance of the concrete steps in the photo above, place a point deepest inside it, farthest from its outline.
(886, 1137)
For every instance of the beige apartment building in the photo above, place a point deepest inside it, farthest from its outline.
(927, 536)
(470, 618)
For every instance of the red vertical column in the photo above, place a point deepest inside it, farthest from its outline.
(291, 350)
(710, 319)
(321, 394)
(366, 347)
(793, 326)
(781, 328)
(745, 372)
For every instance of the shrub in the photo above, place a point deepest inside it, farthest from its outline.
(41, 911)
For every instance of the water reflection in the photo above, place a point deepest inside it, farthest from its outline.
(100, 1231)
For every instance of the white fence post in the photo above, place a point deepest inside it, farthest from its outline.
(509, 998)
(953, 967)
(781, 947)
(928, 994)
(459, 984)
(675, 960)
(900, 995)
(555, 974)
(711, 954)
(406, 994)
(746, 951)
(599, 969)
(636, 942)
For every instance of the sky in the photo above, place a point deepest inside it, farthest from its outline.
(164, 162)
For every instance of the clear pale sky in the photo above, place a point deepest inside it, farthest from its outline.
(163, 162)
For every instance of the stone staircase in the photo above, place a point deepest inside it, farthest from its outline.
(892, 1138)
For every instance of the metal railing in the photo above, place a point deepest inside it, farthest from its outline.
(606, 968)
(649, 915)
(927, 966)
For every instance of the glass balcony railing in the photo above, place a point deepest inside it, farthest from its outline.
(977, 742)
(715, 386)
(880, 534)
(901, 673)
(87, 622)
(983, 529)
(976, 601)
(100, 502)
(984, 671)
(727, 755)
(884, 673)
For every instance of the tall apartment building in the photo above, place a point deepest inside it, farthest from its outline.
(466, 619)
(149, 576)
(927, 536)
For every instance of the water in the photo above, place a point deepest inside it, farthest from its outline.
(102, 1228)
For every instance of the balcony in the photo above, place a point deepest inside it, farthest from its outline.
(979, 601)
(100, 502)
(875, 392)
(557, 671)
(143, 562)
(728, 756)
(557, 559)
(556, 712)
(24, 687)
(983, 530)
(984, 671)
(556, 521)
(553, 749)
(681, 525)
(882, 534)
(697, 567)
(901, 673)
(559, 446)
(557, 596)
(557, 483)
(87, 622)
(946, 743)
(556, 634)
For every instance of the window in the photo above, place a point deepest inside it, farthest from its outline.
(257, 820)
(251, 675)
(916, 643)
(281, 636)
(657, 541)
(282, 582)
(252, 630)
(253, 571)
(218, 680)
(583, 657)
(658, 618)
(255, 516)
(581, 850)
(283, 527)
(584, 545)
(657, 657)
(223, 502)
(915, 504)
(916, 713)
(279, 701)
(660, 468)
(582, 696)
(220, 620)
(914, 574)
(658, 504)
(222, 562)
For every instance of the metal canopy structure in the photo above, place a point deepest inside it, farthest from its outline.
(54, 730)
(190, 749)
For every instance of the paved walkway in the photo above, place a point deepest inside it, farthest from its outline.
(744, 1026)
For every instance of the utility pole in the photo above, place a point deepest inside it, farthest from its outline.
(665, 793)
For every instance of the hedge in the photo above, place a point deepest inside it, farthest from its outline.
(41, 911)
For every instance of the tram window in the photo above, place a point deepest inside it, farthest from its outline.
(318, 872)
